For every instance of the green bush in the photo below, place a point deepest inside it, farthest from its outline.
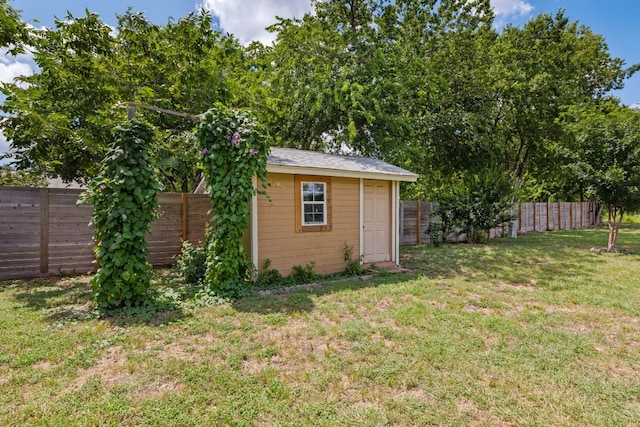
(303, 274)
(268, 277)
(354, 266)
(473, 204)
(437, 233)
(192, 263)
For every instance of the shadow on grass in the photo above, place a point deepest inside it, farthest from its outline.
(553, 261)
(65, 299)
(300, 298)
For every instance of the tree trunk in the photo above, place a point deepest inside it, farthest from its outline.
(615, 219)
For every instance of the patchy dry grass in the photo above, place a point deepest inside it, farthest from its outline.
(533, 331)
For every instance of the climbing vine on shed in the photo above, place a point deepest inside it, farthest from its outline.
(233, 149)
(124, 199)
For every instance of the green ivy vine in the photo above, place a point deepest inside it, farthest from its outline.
(233, 150)
(124, 199)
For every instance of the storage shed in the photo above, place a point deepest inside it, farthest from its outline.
(321, 203)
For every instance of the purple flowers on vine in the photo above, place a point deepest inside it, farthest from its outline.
(253, 152)
(204, 152)
(102, 186)
(235, 139)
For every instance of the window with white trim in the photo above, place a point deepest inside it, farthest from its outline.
(314, 203)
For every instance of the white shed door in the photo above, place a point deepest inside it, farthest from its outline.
(377, 224)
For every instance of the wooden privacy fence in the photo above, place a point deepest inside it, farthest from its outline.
(416, 216)
(43, 231)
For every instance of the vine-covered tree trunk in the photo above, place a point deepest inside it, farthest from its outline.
(124, 199)
(233, 148)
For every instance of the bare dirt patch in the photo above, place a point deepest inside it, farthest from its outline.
(110, 369)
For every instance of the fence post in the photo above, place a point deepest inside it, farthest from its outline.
(559, 215)
(185, 218)
(519, 216)
(547, 215)
(44, 230)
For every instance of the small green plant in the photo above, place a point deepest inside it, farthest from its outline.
(192, 263)
(437, 233)
(268, 277)
(300, 274)
(354, 266)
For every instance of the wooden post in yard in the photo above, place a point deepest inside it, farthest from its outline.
(418, 221)
(519, 216)
(44, 230)
(559, 215)
(581, 214)
(547, 214)
(185, 218)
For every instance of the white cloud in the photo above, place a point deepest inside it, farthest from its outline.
(635, 106)
(12, 67)
(511, 7)
(247, 19)
(4, 148)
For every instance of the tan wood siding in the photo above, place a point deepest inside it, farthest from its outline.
(277, 237)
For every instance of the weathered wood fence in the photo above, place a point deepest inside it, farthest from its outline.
(416, 216)
(43, 231)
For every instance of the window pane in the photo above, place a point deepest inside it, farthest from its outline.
(308, 218)
(318, 208)
(307, 192)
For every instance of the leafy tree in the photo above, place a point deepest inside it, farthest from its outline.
(548, 64)
(474, 203)
(603, 153)
(13, 32)
(61, 118)
(321, 77)
(12, 178)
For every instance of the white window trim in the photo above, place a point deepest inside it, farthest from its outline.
(323, 203)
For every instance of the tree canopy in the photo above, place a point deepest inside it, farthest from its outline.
(429, 85)
(13, 32)
(61, 117)
(602, 151)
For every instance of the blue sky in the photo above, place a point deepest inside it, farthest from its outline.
(616, 20)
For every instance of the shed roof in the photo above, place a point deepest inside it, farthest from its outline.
(290, 160)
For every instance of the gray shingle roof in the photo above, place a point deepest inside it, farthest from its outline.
(342, 165)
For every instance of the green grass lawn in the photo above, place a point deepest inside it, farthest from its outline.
(539, 330)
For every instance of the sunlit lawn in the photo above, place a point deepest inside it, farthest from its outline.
(533, 331)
